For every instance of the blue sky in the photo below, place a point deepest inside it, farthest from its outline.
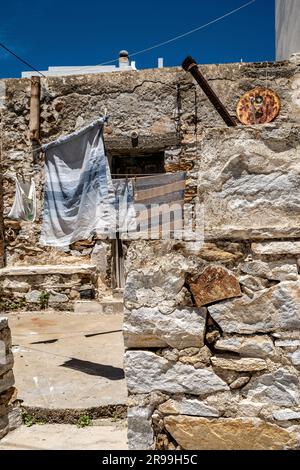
(90, 32)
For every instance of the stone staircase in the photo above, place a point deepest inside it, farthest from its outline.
(109, 305)
(72, 288)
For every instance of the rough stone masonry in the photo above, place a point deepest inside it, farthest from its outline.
(238, 172)
(10, 416)
(212, 330)
(213, 345)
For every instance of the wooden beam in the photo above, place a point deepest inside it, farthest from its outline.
(34, 121)
(190, 65)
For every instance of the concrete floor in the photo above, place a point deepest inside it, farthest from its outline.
(108, 436)
(68, 361)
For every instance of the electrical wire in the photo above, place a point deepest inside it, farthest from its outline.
(22, 60)
(23, 346)
(79, 334)
(147, 49)
(155, 46)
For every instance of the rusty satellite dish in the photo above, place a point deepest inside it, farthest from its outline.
(258, 106)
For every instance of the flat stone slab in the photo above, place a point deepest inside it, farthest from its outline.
(47, 269)
(148, 327)
(187, 406)
(111, 306)
(276, 248)
(254, 346)
(105, 306)
(147, 372)
(243, 364)
(193, 433)
(67, 361)
(252, 189)
(280, 387)
(215, 283)
(270, 309)
(107, 436)
(286, 415)
(87, 306)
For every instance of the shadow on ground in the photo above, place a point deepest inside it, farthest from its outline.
(93, 368)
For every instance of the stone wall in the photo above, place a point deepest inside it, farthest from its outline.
(10, 416)
(287, 31)
(2, 249)
(170, 113)
(47, 286)
(212, 333)
(211, 330)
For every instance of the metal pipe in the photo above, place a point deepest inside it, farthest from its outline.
(34, 120)
(190, 65)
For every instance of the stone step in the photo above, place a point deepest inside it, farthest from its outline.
(118, 293)
(112, 306)
(42, 286)
(72, 415)
(103, 435)
(47, 269)
(107, 306)
(86, 306)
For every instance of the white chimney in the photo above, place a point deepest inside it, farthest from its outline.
(160, 62)
(123, 60)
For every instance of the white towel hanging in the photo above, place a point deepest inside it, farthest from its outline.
(24, 206)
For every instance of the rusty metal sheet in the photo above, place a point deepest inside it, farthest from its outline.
(258, 106)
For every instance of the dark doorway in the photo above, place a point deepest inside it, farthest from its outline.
(123, 166)
(138, 165)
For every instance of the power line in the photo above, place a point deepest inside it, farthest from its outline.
(155, 46)
(22, 60)
(142, 51)
(86, 334)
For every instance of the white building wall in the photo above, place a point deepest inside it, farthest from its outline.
(287, 28)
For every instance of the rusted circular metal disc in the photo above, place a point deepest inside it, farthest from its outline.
(258, 106)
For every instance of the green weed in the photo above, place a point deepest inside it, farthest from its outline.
(83, 421)
(44, 299)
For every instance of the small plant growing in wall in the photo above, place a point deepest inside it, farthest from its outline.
(115, 417)
(44, 299)
(7, 305)
(29, 420)
(83, 421)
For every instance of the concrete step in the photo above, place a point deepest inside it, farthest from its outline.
(103, 435)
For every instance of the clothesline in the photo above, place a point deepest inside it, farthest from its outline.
(81, 199)
(79, 334)
(129, 175)
(42, 148)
